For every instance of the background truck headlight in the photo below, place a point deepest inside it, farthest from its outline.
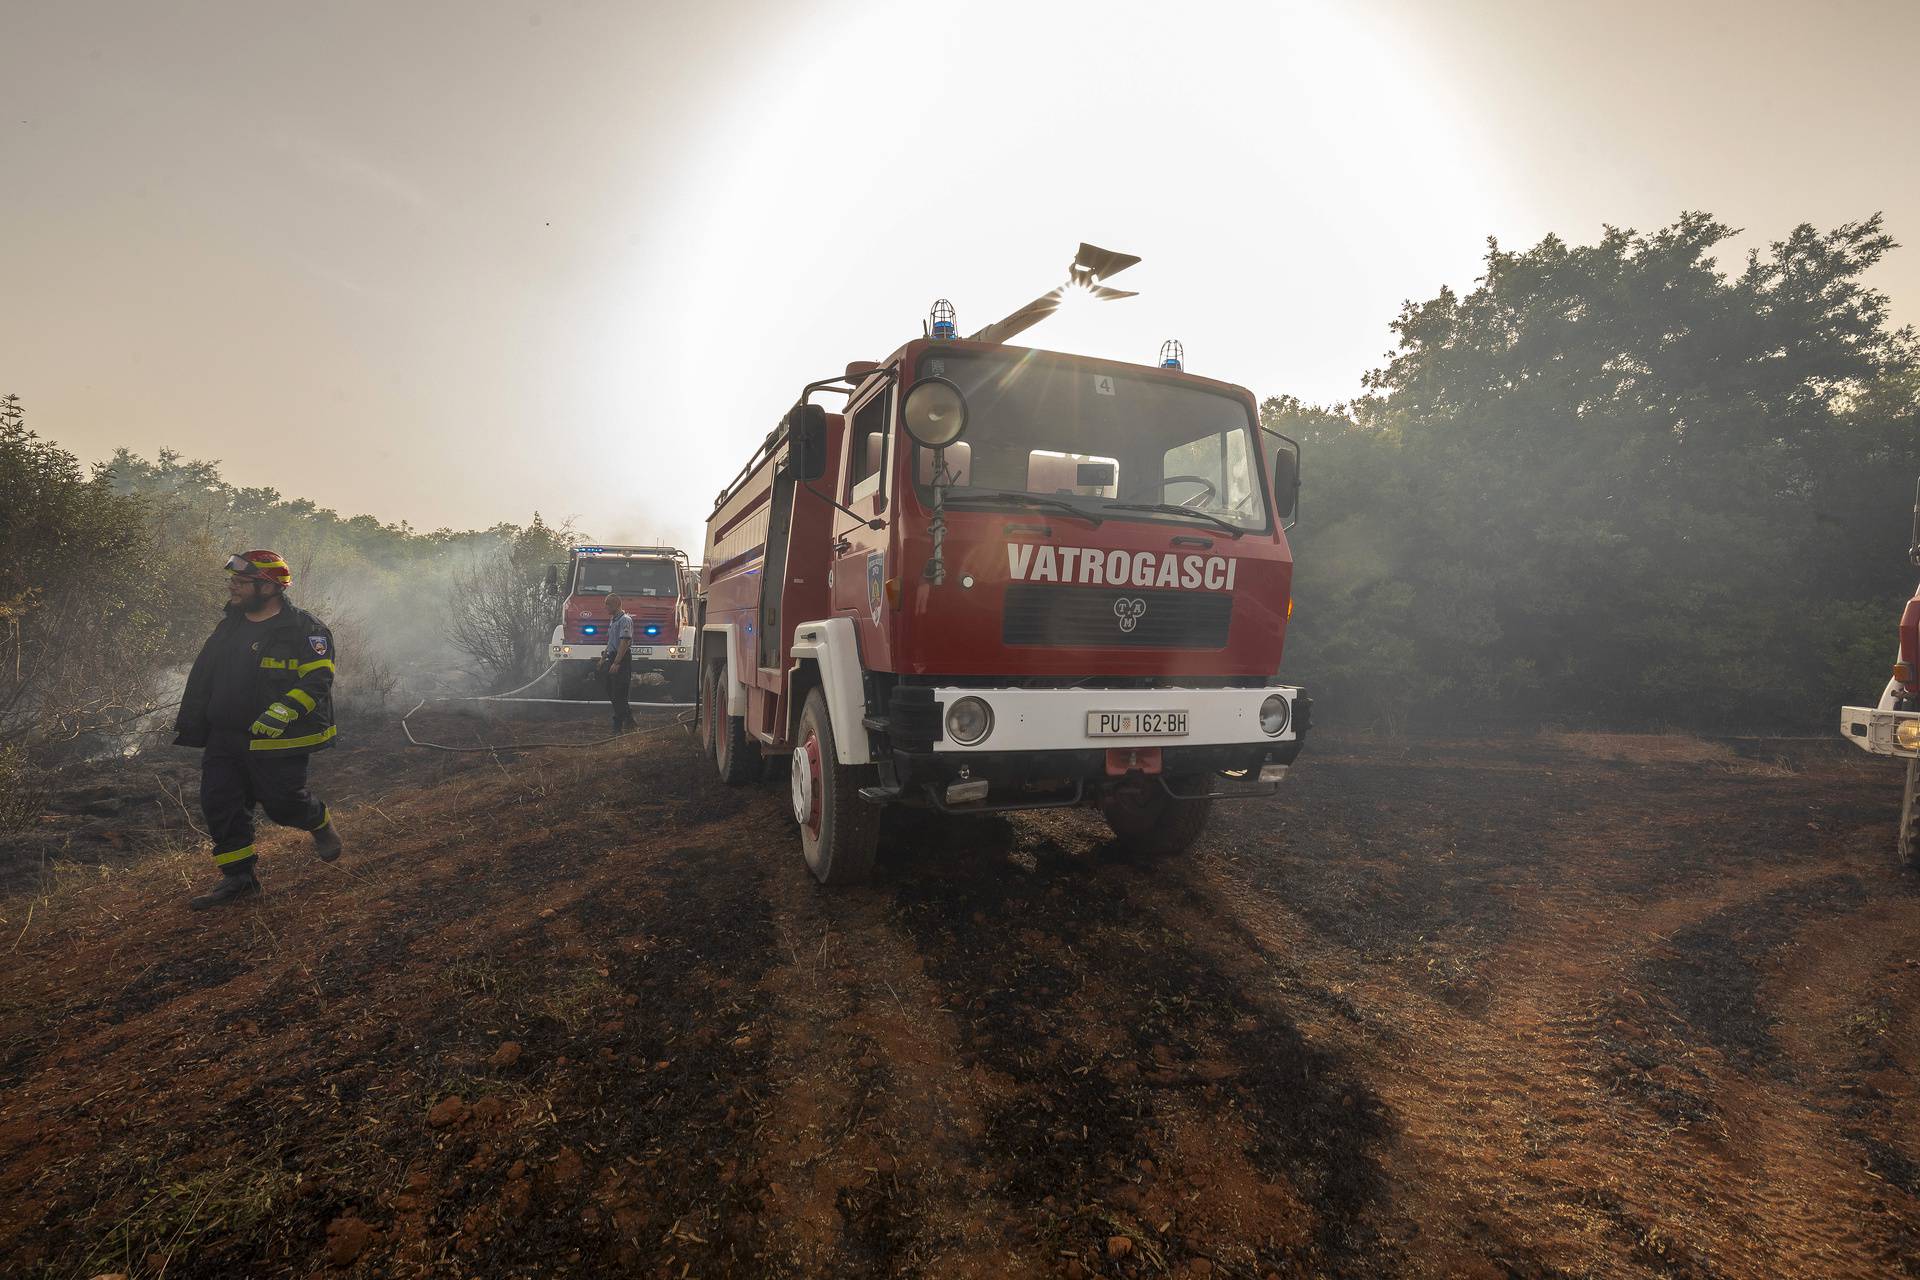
(1273, 715)
(969, 720)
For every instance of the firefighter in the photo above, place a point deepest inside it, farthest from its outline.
(260, 701)
(616, 663)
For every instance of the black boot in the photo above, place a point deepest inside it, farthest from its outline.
(237, 882)
(326, 841)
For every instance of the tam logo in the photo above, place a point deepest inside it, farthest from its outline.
(1129, 610)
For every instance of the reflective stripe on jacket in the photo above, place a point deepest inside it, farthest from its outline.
(295, 666)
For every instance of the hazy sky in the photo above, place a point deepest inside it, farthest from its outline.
(455, 262)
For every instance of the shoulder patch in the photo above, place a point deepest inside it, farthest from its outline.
(319, 644)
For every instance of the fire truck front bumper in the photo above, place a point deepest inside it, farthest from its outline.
(590, 652)
(973, 750)
(1884, 733)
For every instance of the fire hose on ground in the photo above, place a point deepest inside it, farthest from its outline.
(678, 722)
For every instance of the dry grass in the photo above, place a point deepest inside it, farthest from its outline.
(1664, 749)
(172, 1212)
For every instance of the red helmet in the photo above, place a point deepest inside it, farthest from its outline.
(262, 566)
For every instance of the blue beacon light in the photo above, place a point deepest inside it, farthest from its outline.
(945, 321)
(1172, 355)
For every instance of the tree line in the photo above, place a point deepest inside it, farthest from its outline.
(1615, 485)
(110, 578)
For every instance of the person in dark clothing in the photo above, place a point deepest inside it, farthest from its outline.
(616, 663)
(259, 700)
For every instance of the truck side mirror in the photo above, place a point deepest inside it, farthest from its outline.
(1286, 480)
(807, 442)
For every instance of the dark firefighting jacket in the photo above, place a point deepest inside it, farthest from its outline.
(293, 665)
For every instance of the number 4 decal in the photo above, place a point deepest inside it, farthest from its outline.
(1103, 383)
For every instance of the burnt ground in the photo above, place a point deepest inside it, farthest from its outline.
(1519, 1007)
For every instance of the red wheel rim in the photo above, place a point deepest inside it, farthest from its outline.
(806, 784)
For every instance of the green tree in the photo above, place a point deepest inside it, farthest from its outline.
(92, 602)
(1613, 484)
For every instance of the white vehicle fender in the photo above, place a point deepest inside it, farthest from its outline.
(722, 634)
(834, 647)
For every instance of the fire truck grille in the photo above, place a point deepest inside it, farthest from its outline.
(1040, 615)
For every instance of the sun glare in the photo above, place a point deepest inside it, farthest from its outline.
(1076, 297)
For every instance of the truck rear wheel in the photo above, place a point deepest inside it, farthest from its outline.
(1910, 817)
(1150, 823)
(704, 712)
(735, 757)
(838, 830)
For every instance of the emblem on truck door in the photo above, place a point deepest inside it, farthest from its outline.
(876, 583)
(1129, 610)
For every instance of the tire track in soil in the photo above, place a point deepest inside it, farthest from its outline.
(1129, 1085)
(864, 1143)
(1510, 1128)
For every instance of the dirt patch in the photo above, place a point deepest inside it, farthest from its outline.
(1514, 1007)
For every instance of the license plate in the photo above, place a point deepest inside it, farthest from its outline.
(1136, 724)
(642, 651)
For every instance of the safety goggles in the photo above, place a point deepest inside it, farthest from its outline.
(242, 567)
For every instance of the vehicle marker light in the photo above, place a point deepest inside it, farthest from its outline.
(969, 721)
(1903, 672)
(1273, 715)
(967, 792)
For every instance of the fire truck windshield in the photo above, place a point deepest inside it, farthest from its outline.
(598, 575)
(1103, 441)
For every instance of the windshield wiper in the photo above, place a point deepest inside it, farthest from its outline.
(1174, 509)
(1023, 500)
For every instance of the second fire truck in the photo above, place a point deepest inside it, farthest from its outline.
(1005, 578)
(655, 585)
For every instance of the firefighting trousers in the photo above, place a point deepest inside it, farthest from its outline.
(619, 690)
(234, 779)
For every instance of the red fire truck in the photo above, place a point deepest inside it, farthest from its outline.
(1892, 727)
(1005, 578)
(655, 586)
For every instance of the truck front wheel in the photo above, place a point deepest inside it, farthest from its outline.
(838, 830)
(1150, 823)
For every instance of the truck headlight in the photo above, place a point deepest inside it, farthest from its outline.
(1908, 735)
(969, 720)
(1273, 715)
(566, 651)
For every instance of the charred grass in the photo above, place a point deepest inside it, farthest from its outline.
(1098, 1023)
(552, 1014)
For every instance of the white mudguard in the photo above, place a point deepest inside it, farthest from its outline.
(834, 647)
(722, 635)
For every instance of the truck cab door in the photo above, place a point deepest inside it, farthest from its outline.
(860, 566)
